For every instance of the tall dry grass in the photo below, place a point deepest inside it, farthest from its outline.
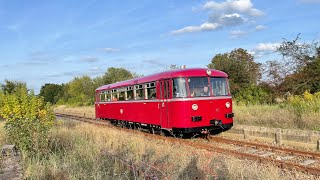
(84, 151)
(87, 111)
(299, 112)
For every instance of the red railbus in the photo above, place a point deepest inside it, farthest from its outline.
(184, 101)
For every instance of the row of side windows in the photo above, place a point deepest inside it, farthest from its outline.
(136, 92)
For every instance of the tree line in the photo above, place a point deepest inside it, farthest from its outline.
(251, 82)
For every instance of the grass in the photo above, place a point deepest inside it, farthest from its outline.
(275, 116)
(87, 111)
(85, 151)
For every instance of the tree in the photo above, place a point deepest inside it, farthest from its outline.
(80, 91)
(114, 75)
(243, 71)
(298, 70)
(12, 86)
(51, 92)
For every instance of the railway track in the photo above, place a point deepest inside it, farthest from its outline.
(304, 161)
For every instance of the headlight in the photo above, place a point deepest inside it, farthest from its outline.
(194, 107)
(228, 104)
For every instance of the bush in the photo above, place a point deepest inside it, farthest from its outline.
(251, 95)
(27, 120)
(305, 103)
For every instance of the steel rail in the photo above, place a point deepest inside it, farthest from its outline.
(291, 151)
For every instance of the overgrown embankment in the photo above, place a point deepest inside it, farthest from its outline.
(297, 112)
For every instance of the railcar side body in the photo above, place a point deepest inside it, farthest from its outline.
(181, 101)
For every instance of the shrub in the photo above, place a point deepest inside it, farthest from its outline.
(251, 95)
(305, 103)
(27, 120)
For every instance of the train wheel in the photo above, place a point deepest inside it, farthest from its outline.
(162, 133)
(152, 131)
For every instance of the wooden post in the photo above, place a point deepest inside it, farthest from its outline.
(318, 145)
(278, 137)
(245, 134)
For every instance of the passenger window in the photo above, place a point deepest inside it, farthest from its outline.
(139, 92)
(122, 96)
(151, 90)
(114, 95)
(130, 93)
(108, 96)
(102, 96)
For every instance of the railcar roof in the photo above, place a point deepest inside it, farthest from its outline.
(164, 75)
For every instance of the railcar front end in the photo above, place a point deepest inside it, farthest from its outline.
(208, 107)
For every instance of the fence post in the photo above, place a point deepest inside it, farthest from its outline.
(245, 133)
(278, 137)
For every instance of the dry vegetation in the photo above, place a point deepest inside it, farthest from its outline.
(275, 116)
(87, 111)
(84, 151)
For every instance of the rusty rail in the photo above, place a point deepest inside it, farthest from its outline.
(312, 155)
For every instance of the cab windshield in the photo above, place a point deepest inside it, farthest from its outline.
(199, 86)
(219, 86)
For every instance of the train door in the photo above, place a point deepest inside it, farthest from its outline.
(164, 105)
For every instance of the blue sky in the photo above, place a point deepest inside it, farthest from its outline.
(46, 41)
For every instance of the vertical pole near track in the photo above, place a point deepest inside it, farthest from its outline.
(318, 145)
(278, 136)
(245, 133)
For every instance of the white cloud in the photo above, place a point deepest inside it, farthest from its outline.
(263, 49)
(224, 14)
(260, 27)
(110, 49)
(90, 59)
(237, 34)
(267, 46)
(241, 6)
(203, 27)
(227, 19)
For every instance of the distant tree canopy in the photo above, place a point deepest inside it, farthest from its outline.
(298, 70)
(243, 71)
(12, 86)
(80, 91)
(113, 75)
(51, 92)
